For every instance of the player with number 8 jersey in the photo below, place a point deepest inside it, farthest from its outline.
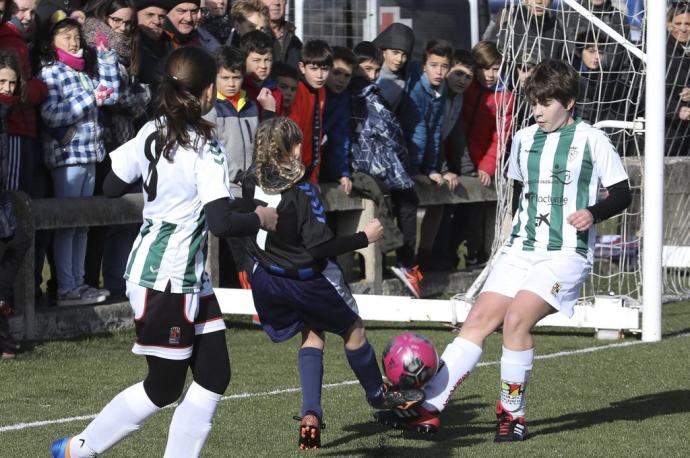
(177, 318)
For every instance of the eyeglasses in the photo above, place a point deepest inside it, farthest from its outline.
(119, 22)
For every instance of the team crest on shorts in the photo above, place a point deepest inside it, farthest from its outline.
(174, 338)
(556, 288)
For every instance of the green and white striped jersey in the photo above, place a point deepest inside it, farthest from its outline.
(560, 172)
(171, 245)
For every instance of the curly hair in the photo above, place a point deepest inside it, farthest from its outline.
(275, 167)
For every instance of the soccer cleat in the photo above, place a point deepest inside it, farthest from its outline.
(391, 398)
(509, 429)
(416, 418)
(310, 431)
(60, 447)
(411, 277)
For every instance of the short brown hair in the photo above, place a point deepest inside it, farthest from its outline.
(240, 9)
(486, 55)
(553, 79)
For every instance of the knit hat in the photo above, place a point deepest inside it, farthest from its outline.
(396, 36)
(163, 4)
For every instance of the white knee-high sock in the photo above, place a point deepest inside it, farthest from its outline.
(191, 423)
(123, 415)
(459, 357)
(516, 368)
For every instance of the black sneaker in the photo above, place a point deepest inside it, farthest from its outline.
(310, 431)
(416, 418)
(392, 398)
(509, 429)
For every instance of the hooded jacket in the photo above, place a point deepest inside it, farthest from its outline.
(421, 121)
(23, 117)
(236, 129)
(302, 112)
(393, 84)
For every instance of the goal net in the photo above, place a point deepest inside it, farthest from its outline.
(599, 43)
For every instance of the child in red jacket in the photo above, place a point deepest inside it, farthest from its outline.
(485, 138)
(307, 108)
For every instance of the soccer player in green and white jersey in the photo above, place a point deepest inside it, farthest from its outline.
(177, 317)
(557, 166)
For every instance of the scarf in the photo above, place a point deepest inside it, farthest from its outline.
(121, 43)
(218, 26)
(76, 61)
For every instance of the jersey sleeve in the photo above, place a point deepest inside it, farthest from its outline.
(514, 171)
(607, 163)
(311, 216)
(124, 161)
(211, 173)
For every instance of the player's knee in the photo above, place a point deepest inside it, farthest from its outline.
(478, 326)
(355, 336)
(163, 392)
(515, 323)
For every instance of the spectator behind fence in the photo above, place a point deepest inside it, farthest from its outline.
(597, 83)
(182, 22)
(396, 43)
(421, 122)
(678, 81)
(236, 118)
(576, 23)
(13, 241)
(108, 246)
(378, 146)
(307, 109)
(258, 83)
(480, 107)
(286, 78)
(439, 240)
(532, 26)
(286, 45)
(79, 81)
(16, 27)
(336, 120)
(154, 44)
(245, 16)
(216, 26)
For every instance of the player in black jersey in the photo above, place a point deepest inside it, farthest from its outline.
(298, 288)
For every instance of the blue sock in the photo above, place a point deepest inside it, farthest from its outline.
(364, 365)
(310, 362)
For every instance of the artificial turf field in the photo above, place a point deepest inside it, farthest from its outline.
(587, 398)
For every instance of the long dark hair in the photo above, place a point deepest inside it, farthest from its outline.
(10, 60)
(275, 168)
(188, 72)
(49, 56)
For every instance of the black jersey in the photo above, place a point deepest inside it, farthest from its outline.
(301, 227)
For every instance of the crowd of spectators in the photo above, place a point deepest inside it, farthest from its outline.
(78, 78)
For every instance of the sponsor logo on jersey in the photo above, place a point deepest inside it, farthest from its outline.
(556, 288)
(562, 176)
(542, 219)
(573, 153)
(547, 199)
(174, 337)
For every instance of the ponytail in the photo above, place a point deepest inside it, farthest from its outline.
(188, 72)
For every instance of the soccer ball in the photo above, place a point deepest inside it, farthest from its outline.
(409, 360)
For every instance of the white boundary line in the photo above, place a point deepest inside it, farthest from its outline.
(246, 395)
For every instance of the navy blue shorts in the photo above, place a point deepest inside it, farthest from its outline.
(286, 305)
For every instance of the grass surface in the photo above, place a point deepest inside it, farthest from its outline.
(621, 400)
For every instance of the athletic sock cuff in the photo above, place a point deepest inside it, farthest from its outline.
(360, 351)
(138, 401)
(522, 357)
(198, 395)
(310, 351)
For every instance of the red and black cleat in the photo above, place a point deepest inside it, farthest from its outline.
(416, 418)
(310, 431)
(509, 429)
